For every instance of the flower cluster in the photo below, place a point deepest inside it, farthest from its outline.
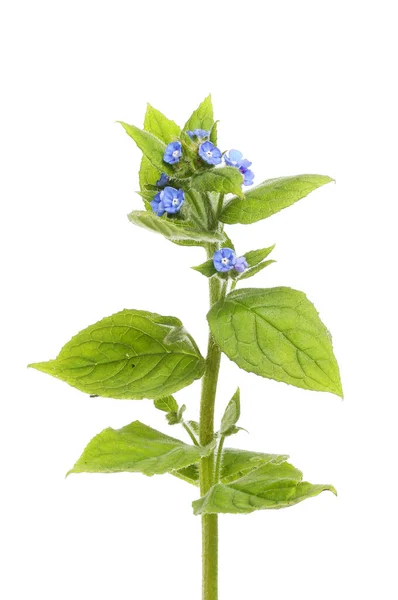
(168, 200)
(225, 260)
(210, 154)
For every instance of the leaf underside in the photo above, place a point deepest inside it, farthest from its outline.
(270, 486)
(136, 448)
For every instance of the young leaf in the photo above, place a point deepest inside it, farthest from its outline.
(202, 117)
(276, 333)
(136, 448)
(207, 268)
(269, 486)
(270, 197)
(150, 145)
(166, 404)
(235, 464)
(231, 415)
(160, 126)
(173, 229)
(133, 354)
(254, 270)
(166, 131)
(213, 133)
(256, 256)
(223, 180)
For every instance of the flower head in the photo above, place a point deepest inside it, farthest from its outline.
(200, 134)
(163, 180)
(172, 199)
(173, 153)
(210, 153)
(157, 204)
(240, 264)
(224, 259)
(234, 158)
(248, 176)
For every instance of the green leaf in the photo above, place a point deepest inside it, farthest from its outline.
(207, 268)
(223, 180)
(269, 486)
(270, 197)
(235, 464)
(231, 415)
(150, 146)
(254, 270)
(172, 229)
(160, 126)
(166, 404)
(213, 133)
(136, 448)
(276, 333)
(256, 256)
(202, 117)
(148, 175)
(133, 354)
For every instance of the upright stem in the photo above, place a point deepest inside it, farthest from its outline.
(206, 435)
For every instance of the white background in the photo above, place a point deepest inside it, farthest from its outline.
(299, 87)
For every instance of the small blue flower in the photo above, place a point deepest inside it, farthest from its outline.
(164, 180)
(200, 134)
(157, 204)
(224, 259)
(234, 158)
(172, 153)
(172, 199)
(240, 264)
(248, 176)
(210, 153)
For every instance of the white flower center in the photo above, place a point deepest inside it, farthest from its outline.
(175, 202)
(176, 153)
(209, 153)
(225, 261)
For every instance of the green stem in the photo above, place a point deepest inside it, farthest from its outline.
(218, 459)
(206, 436)
(190, 433)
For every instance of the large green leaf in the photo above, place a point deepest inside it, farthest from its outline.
(133, 354)
(202, 117)
(270, 486)
(270, 197)
(172, 229)
(150, 146)
(276, 333)
(136, 448)
(235, 464)
(222, 180)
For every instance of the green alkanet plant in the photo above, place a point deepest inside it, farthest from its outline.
(273, 332)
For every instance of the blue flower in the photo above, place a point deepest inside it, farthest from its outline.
(172, 153)
(200, 134)
(224, 259)
(164, 180)
(210, 153)
(172, 199)
(248, 176)
(240, 264)
(157, 204)
(234, 158)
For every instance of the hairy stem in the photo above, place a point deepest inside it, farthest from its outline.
(206, 436)
(190, 433)
(217, 470)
